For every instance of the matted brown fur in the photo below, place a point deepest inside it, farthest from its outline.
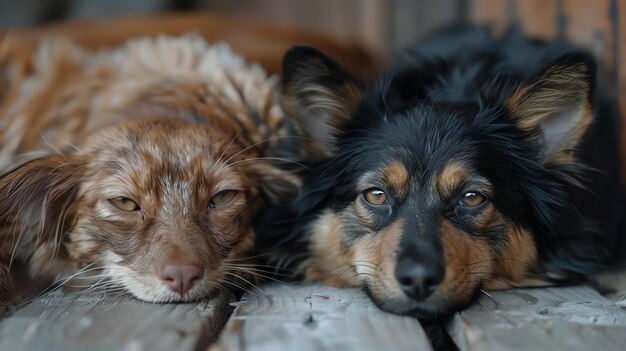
(168, 123)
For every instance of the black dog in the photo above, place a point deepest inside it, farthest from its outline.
(481, 163)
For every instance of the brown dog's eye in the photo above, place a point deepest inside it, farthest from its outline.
(472, 199)
(222, 198)
(124, 204)
(375, 196)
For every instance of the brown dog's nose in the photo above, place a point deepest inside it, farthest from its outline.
(181, 277)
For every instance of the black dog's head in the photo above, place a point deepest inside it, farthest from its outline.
(423, 201)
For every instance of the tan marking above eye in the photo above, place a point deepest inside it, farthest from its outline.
(451, 178)
(124, 204)
(375, 196)
(223, 198)
(396, 176)
(472, 199)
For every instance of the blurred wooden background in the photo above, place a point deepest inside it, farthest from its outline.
(383, 27)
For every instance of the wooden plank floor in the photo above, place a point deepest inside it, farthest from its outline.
(566, 318)
(90, 321)
(311, 317)
(315, 317)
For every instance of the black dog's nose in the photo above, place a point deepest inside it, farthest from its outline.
(419, 280)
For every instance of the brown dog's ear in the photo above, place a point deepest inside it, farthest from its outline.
(558, 105)
(37, 203)
(276, 184)
(320, 96)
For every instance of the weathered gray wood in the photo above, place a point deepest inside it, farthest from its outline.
(90, 321)
(316, 317)
(615, 284)
(617, 297)
(567, 318)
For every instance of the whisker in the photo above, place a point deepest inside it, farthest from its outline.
(264, 141)
(231, 143)
(262, 276)
(53, 286)
(496, 260)
(486, 293)
(241, 287)
(249, 283)
(347, 280)
(271, 159)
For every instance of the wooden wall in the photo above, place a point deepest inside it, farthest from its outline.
(387, 27)
(382, 26)
(598, 25)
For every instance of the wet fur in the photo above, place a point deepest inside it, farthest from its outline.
(168, 122)
(524, 123)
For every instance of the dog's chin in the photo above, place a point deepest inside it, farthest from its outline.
(150, 288)
(433, 309)
(157, 292)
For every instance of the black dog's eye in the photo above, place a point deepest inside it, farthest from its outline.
(375, 196)
(124, 204)
(472, 199)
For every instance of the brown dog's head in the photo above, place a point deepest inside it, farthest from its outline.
(171, 144)
(160, 207)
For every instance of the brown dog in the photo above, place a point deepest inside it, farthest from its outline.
(142, 165)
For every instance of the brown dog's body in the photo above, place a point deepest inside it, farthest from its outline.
(140, 164)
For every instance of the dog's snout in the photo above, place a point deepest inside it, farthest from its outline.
(181, 277)
(418, 280)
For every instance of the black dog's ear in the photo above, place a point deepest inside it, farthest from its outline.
(320, 96)
(558, 105)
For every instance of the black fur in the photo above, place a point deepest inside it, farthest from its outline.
(447, 100)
